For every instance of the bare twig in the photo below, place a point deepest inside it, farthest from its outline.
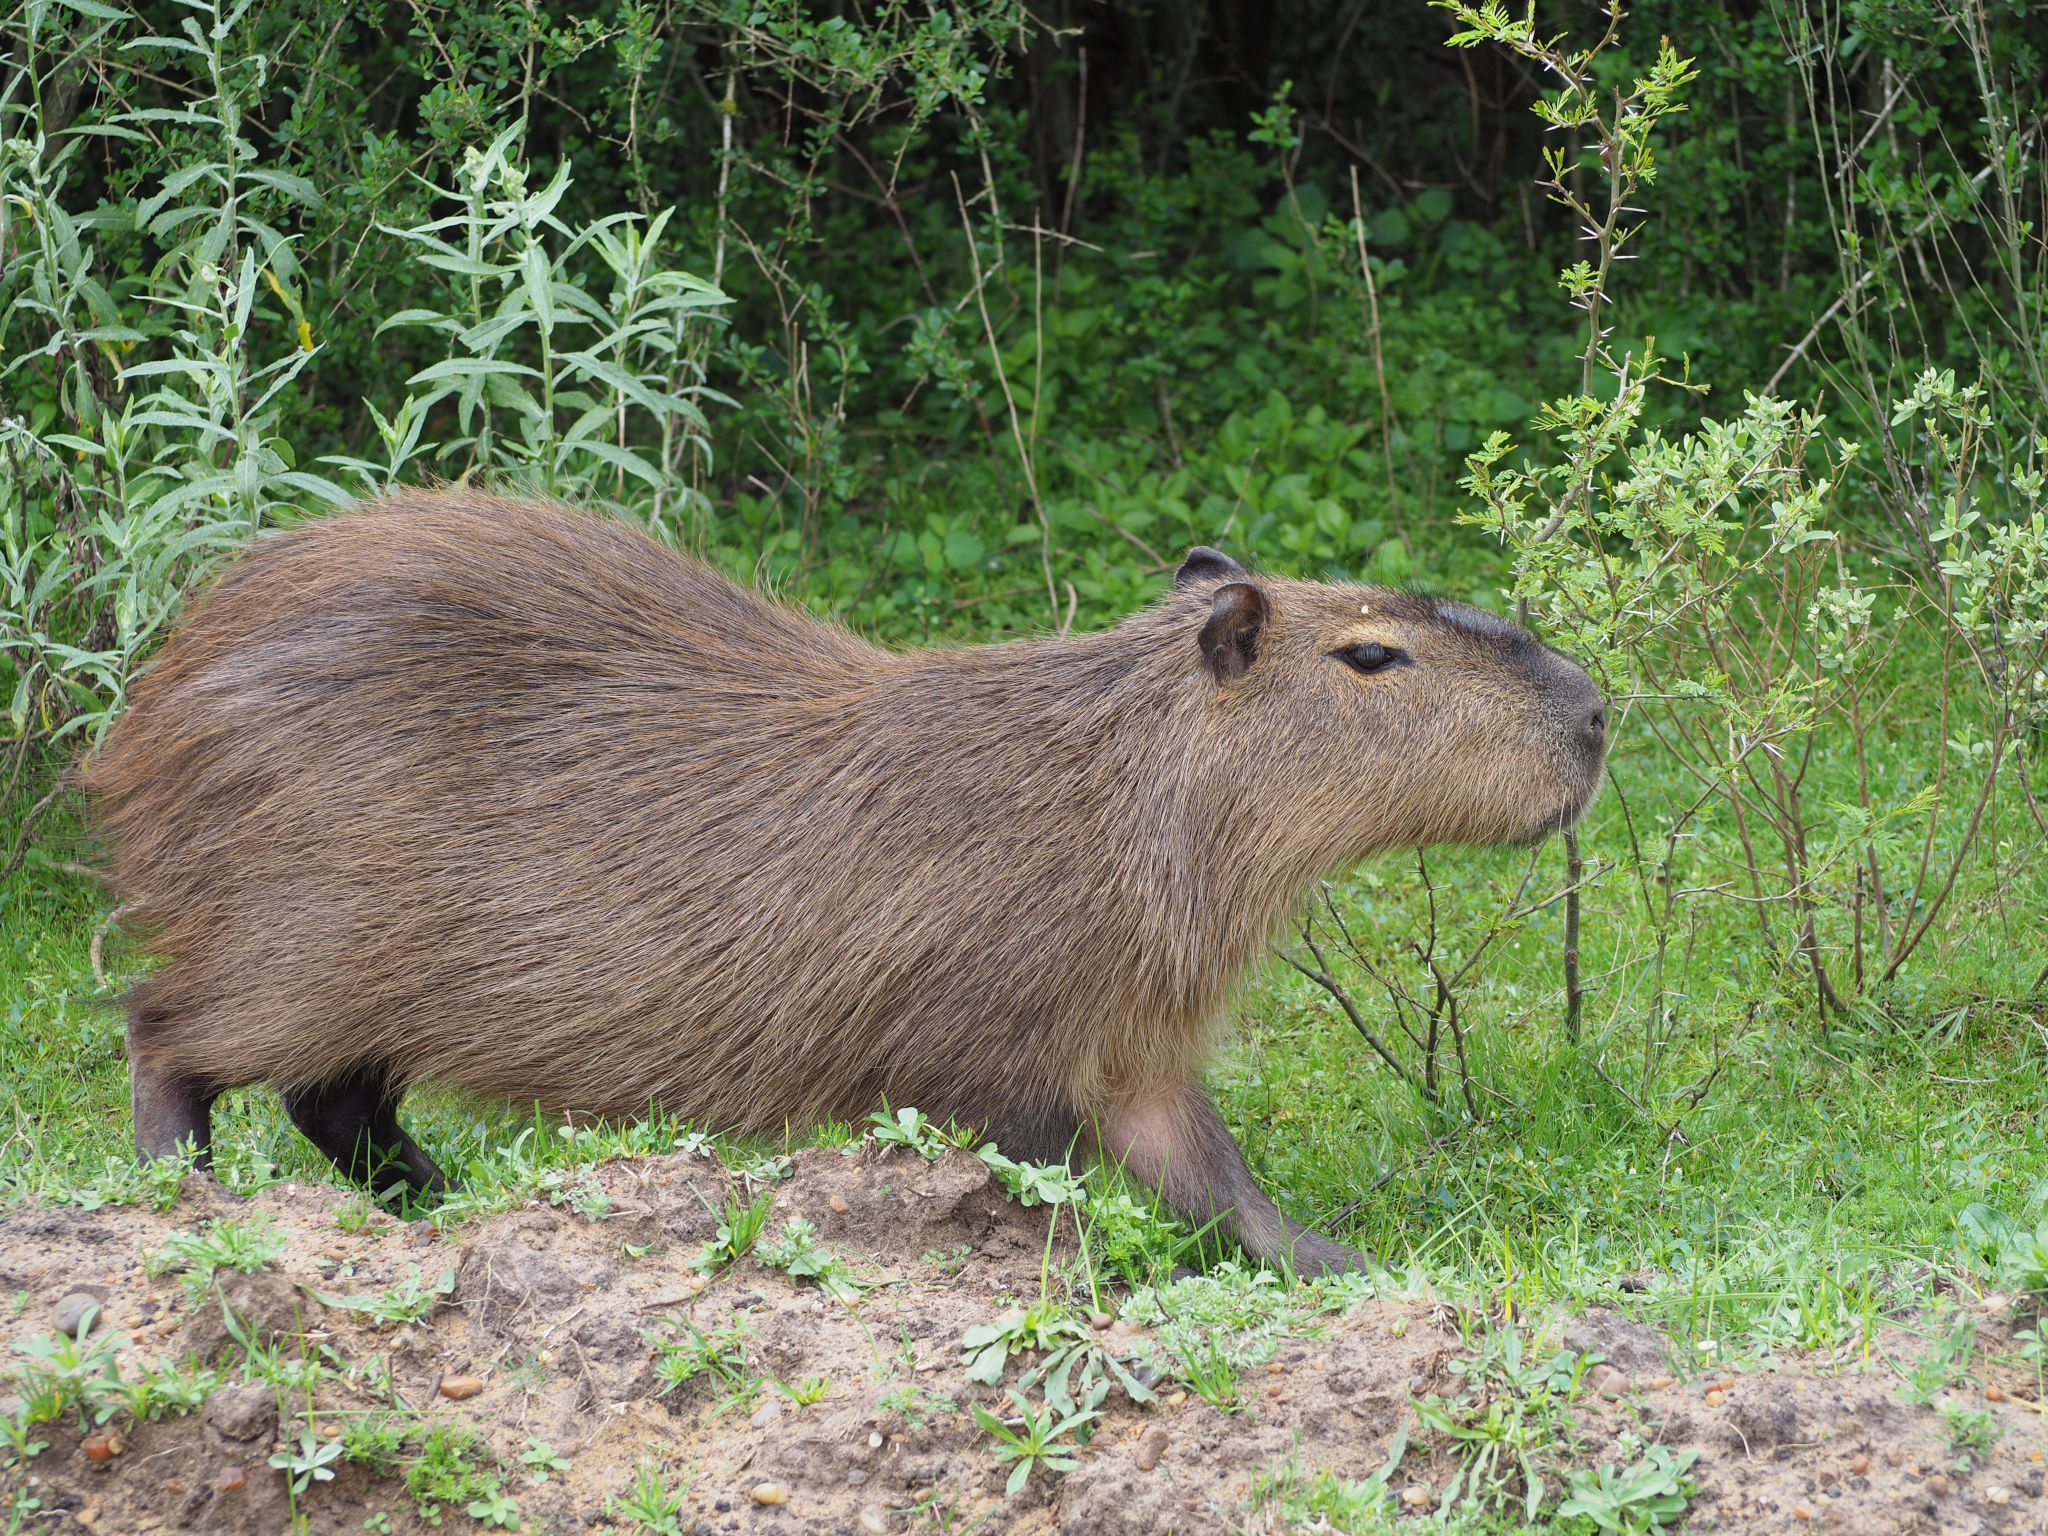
(18, 854)
(1379, 366)
(1849, 294)
(1024, 453)
(1159, 561)
(1320, 974)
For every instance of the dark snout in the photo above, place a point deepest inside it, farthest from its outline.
(1577, 718)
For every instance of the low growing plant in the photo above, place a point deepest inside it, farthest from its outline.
(307, 1462)
(540, 1459)
(1509, 1427)
(454, 1466)
(407, 1302)
(243, 1246)
(718, 1356)
(811, 1389)
(798, 1252)
(1032, 1438)
(910, 1129)
(376, 1440)
(650, 1502)
(736, 1234)
(169, 1388)
(64, 1373)
(1647, 1495)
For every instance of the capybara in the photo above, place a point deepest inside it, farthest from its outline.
(508, 795)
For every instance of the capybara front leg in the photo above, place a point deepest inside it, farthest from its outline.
(1179, 1145)
(354, 1120)
(170, 1111)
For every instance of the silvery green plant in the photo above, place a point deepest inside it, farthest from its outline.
(1703, 578)
(576, 394)
(164, 449)
(1993, 558)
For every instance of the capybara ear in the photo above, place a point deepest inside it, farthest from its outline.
(1206, 564)
(1230, 640)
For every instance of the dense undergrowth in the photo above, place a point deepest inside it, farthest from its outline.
(930, 355)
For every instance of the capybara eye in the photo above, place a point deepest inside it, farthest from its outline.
(1370, 656)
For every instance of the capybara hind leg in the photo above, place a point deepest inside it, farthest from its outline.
(170, 1111)
(1179, 1145)
(354, 1120)
(1034, 1134)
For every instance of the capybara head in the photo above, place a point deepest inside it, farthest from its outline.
(1393, 718)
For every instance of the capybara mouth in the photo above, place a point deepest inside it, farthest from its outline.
(1564, 818)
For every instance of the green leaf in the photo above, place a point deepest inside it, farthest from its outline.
(466, 266)
(539, 282)
(472, 368)
(297, 188)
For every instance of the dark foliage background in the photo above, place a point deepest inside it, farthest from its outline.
(1205, 334)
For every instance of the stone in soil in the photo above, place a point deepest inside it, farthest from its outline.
(68, 1316)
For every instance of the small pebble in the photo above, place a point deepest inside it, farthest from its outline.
(1416, 1496)
(1099, 1320)
(1998, 1495)
(1175, 1399)
(1275, 1368)
(770, 1493)
(839, 1204)
(1715, 1399)
(765, 1415)
(1994, 1394)
(875, 1440)
(1274, 1390)
(69, 1314)
(1657, 1383)
(1801, 1512)
(855, 1478)
(459, 1387)
(1151, 1446)
(167, 1327)
(874, 1520)
(1938, 1485)
(1608, 1382)
(230, 1479)
(1860, 1465)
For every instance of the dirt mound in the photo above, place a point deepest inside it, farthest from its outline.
(550, 1367)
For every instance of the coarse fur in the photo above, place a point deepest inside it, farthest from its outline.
(511, 796)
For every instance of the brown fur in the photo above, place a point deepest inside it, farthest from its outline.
(512, 797)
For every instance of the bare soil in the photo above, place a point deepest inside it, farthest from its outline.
(548, 1314)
